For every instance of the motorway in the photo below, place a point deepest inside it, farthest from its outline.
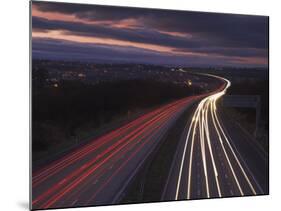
(99, 172)
(208, 162)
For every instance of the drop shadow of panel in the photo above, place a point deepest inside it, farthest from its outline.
(23, 205)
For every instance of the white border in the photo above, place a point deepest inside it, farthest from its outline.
(14, 106)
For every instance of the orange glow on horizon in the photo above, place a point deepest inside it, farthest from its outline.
(55, 16)
(129, 23)
(251, 60)
(58, 34)
(177, 34)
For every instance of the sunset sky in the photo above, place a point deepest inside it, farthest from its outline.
(135, 35)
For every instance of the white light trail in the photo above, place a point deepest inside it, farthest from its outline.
(211, 152)
(235, 156)
(200, 123)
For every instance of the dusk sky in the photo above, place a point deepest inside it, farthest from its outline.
(136, 35)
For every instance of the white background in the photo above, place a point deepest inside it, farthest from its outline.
(14, 104)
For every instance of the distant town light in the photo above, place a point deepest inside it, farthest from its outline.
(81, 75)
(56, 85)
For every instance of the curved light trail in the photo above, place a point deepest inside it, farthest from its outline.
(88, 175)
(97, 173)
(199, 137)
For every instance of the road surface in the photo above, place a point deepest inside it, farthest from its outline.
(98, 173)
(209, 162)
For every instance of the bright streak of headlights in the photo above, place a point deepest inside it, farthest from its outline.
(200, 123)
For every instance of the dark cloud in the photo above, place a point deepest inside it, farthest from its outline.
(91, 12)
(211, 33)
(224, 29)
(141, 35)
(66, 50)
(147, 36)
(227, 30)
(237, 52)
(58, 49)
(54, 45)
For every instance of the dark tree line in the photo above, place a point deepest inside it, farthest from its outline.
(59, 113)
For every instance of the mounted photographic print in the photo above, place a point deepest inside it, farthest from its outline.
(134, 105)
